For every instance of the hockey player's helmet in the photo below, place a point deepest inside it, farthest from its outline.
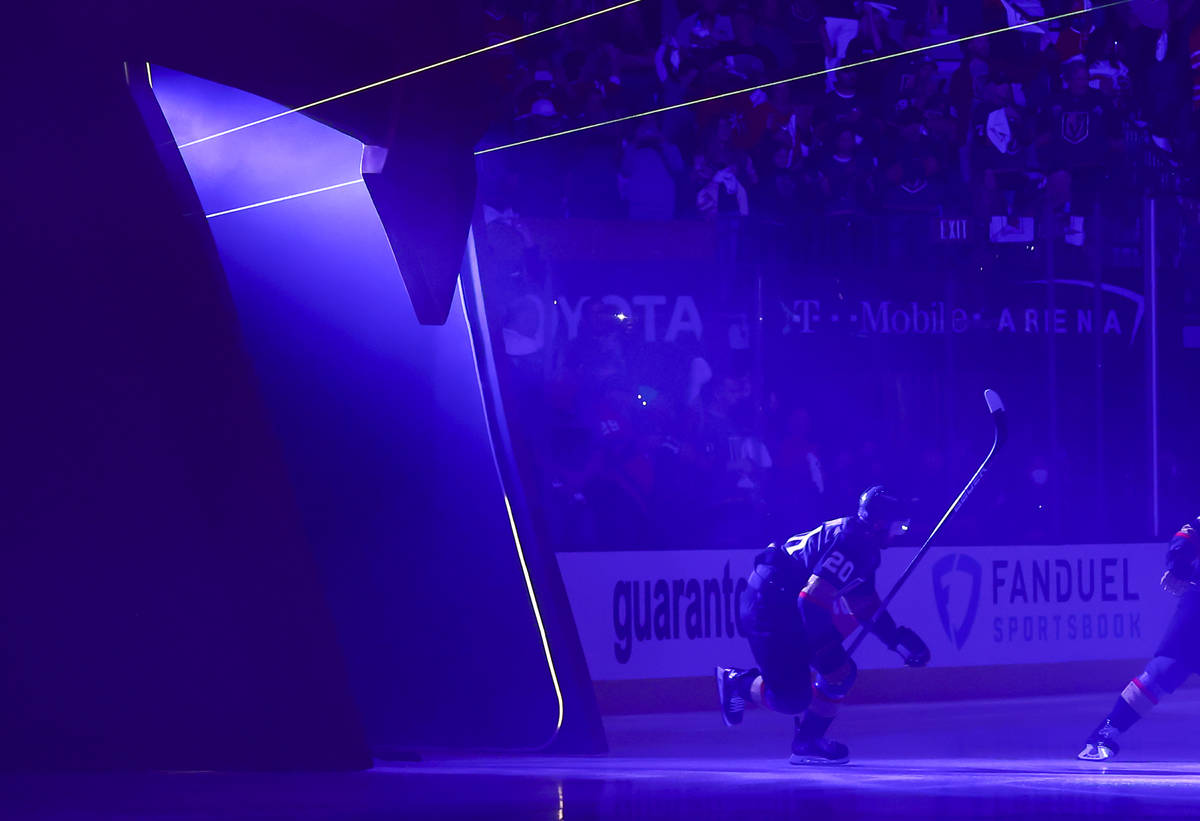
(882, 510)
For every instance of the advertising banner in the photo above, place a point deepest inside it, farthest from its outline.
(667, 614)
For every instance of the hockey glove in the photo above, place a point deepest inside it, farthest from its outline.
(910, 647)
(1175, 584)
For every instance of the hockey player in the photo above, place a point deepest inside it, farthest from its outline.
(1177, 656)
(787, 611)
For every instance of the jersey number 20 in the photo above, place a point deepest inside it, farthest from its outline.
(837, 564)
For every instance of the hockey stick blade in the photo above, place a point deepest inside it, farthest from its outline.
(999, 418)
(1000, 424)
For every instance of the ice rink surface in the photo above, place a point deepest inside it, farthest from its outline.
(1009, 758)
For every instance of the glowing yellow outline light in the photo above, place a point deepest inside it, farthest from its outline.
(808, 76)
(537, 614)
(411, 73)
(281, 199)
(473, 261)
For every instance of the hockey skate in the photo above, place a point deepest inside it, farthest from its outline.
(1102, 744)
(733, 688)
(818, 751)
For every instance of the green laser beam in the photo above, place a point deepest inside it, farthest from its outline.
(411, 73)
(811, 74)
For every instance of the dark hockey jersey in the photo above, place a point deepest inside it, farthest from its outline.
(841, 552)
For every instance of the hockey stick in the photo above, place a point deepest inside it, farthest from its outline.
(996, 408)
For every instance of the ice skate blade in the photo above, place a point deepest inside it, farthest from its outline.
(1096, 752)
(816, 760)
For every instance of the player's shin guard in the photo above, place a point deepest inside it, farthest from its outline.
(1139, 697)
(758, 692)
(819, 715)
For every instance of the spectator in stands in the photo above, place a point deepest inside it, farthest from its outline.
(1080, 133)
(841, 26)
(1072, 43)
(739, 459)
(785, 112)
(598, 353)
(1001, 136)
(705, 30)
(500, 25)
(722, 175)
(967, 83)
(799, 481)
(871, 42)
(844, 107)
(545, 94)
(649, 171)
(771, 31)
(1108, 72)
(619, 475)
(1193, 49)
(745, 59)
(942, 128)
(846, 174)
(592, 190)
(909, 79)
(787, 187)
(1013, 52)
(805, 29)
(911, 166)
(723, 194)
(629, 47)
